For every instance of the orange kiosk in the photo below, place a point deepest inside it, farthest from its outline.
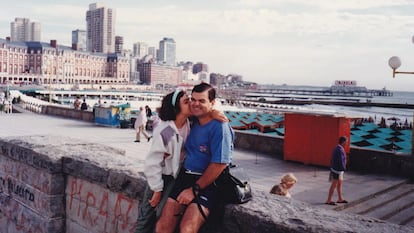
(310, 138)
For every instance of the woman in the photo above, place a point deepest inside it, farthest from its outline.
(286, 183)
(166, 154)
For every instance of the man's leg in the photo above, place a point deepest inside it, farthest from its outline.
(339, 190)
(331, 190)
(192, 219)
(144, 132)
(170, 216)
(140, 130)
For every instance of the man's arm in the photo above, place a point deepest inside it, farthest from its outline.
(212, 172)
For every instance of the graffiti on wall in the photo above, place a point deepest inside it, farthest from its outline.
(15, 217)
(12, 187)
(99, 209)
(36, 178)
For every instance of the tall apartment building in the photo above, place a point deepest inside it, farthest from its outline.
(153, 52)
(100, 27)
(79, 40)
(140, 49)
(119, 44)
(24, 30)
(166, 52)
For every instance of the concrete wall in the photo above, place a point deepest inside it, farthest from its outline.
(59, 184)
(272, 145)
(68, 113)
(51, 185)
(381, 162)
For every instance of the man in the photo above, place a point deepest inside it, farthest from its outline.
(84, 105)
(140, 124)
(209, 147)
(336, 176)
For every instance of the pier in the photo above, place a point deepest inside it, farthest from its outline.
(332, 91)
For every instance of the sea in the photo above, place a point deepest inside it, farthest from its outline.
(398, 97)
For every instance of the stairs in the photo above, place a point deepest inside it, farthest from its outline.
(395, 205)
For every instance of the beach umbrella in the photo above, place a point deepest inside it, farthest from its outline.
(393, 119)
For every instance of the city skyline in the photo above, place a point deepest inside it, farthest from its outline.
(281, 42)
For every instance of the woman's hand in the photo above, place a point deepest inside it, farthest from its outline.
(155, 200)
(217, 115)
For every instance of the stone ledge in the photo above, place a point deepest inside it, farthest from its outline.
(271, 213)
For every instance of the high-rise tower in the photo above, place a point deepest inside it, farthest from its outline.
(166, 52)
(24, 30)
(100, 28)
(79, 40)
(140, 49)
(119, 44)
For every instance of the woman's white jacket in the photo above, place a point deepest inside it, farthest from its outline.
(164, 155)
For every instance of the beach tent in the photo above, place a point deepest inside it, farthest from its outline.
(114, 115)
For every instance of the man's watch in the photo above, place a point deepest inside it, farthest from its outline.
(196, 189)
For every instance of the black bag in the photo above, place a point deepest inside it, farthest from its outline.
(234, 185)
(234, 189)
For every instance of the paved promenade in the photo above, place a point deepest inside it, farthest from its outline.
(264, 170)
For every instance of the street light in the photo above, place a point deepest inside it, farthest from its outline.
(395, 63)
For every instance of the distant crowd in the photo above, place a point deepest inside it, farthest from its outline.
(396, 124)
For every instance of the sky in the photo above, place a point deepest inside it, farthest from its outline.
(293, 42)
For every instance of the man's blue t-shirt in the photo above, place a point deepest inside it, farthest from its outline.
(212, 142)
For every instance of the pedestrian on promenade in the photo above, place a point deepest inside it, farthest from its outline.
(155, 118)
(7, 105)
(84, 106)
(286, 183)
(140, 124)
(208, 152)
(148, 111)
(77, 103)
(336, 175)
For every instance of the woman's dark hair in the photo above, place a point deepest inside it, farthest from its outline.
(168, 112)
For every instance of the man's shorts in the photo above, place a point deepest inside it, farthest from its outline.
(336, 176)
(207, 197)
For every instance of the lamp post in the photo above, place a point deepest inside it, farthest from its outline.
(395, 63)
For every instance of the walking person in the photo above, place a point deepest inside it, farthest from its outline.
(336, 176)
(208, 152)
(148, 111)
(140, 124)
